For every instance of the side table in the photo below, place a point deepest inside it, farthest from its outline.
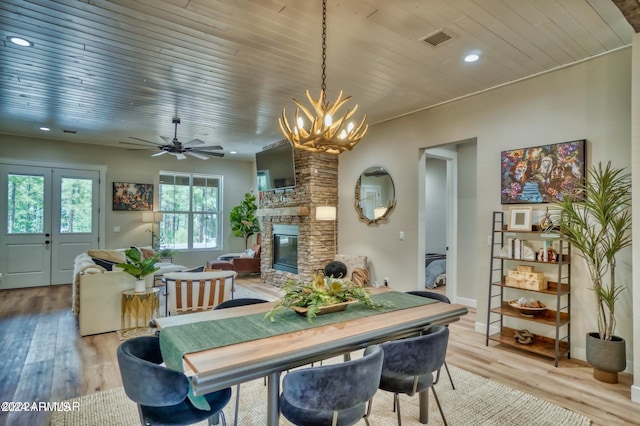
(137, 310)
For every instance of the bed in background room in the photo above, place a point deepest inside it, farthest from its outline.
(435, 269)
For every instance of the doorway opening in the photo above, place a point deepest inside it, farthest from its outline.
(447, 213)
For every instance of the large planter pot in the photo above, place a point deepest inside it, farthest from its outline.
(608, 357)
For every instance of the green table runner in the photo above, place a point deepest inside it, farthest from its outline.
(179, 340)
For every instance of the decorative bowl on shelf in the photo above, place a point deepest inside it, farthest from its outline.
(528, 311)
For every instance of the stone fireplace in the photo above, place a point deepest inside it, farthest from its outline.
(316, 185)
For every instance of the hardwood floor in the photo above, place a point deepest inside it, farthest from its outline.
(43, 359)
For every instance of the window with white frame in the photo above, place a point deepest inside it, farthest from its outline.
(191, 206)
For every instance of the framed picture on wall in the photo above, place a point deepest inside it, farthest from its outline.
(132, 196)
(541, 174)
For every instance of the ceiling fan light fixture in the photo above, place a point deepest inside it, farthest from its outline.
(324, 134)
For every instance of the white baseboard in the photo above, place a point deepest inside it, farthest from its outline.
(635, 393)
(471, 303)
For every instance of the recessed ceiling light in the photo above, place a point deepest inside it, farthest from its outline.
(20, 41)
(233, 152)
(45, 129)
(471, 57)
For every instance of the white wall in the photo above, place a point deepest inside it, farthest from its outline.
(635, 151)
(435, 206)
(589, 101)
(467, 283)
(138, 167)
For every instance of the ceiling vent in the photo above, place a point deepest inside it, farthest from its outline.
(437, 38)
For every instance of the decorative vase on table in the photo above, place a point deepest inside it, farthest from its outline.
(141, 286)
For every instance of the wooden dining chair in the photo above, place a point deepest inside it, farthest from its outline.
(189, 292)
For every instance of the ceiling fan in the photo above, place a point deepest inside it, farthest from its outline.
(179, 149)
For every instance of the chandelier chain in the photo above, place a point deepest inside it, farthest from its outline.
(324, 46)
(328, 131)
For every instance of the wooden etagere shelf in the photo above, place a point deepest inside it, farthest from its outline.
(503, 321)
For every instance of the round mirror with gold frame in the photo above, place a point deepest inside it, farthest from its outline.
(375, 195)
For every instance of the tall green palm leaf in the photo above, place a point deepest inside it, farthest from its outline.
(599, 226)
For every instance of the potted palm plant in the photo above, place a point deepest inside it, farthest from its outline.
(138, 267)
(599, 226)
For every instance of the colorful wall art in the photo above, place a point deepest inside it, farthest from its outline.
(543, 173)
(132, 196)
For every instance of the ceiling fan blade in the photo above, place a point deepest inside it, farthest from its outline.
(210, 147)
(210, 154)
(143, 140)
(167, 140)
(158, 154)
(180, 156)
(195, 154)
(142, 147)
(194, 142)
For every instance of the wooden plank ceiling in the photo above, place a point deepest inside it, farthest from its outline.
(109, 70)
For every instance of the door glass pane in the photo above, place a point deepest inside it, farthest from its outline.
(25, 204)
(75, 205)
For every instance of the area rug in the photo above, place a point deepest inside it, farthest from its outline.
(475, 401)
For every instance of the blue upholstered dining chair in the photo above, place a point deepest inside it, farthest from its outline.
(160, 392)
(332, 394)
(409, 364)
(444, 299)
(232, 303)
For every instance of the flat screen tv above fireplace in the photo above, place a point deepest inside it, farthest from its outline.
(276, 167)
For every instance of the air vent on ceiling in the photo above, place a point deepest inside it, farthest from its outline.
(437, 38)
(69, 131)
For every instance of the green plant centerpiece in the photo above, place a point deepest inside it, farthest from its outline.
(243, 219)
(599, 226)
(321, 292)
(137, 266)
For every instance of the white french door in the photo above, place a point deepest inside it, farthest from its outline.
(48, 216)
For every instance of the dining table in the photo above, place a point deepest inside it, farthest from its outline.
(221, 348)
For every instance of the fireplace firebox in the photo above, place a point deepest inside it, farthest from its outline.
(285, 248)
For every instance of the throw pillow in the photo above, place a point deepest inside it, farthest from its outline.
(147, 253)
(111, 255)
(106, 264)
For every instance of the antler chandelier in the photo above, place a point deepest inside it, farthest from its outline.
(325, 133)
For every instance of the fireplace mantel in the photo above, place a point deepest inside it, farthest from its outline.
(284, 211)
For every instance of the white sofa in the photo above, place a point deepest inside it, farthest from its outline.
(97, 293)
